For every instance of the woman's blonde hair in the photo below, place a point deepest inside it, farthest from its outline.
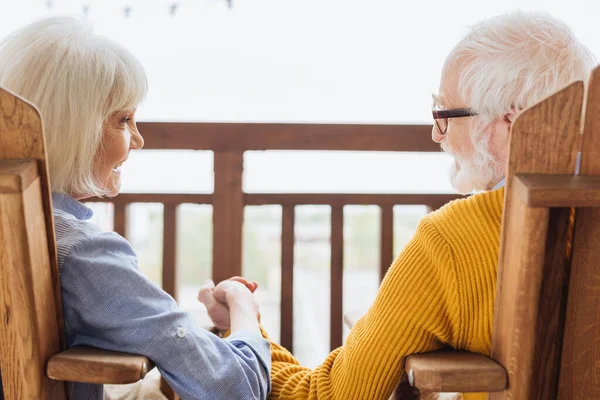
(77, 80)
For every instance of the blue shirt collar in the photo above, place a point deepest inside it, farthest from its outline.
(71, 206)
(500, 184)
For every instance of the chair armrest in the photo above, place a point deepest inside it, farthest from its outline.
(455, 371)
(92, 365)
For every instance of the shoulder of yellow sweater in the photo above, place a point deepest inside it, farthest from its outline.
(477, 214)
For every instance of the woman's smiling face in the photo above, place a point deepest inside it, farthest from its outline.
(119, 136)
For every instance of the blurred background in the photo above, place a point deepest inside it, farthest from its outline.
(306, 61)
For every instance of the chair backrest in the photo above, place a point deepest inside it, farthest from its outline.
(547, 321)
(31, 323)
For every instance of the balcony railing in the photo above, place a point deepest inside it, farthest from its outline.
(229, 141)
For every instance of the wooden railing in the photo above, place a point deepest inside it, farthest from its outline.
(229, 141)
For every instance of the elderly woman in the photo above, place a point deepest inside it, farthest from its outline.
(87, 89)
(440, 291)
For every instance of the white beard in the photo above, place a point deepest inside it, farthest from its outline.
(477, 172)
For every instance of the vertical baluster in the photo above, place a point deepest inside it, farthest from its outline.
(228, 214)
(169, 270)
(386, 239)
(120, 219)
(287, 277)
(337, 276)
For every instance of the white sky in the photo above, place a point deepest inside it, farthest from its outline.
(368, 61)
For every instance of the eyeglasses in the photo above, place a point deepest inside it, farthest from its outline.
(440, 117)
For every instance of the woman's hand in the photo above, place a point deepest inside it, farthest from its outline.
(231, 304)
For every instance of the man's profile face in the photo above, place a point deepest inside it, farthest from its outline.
(467, 140)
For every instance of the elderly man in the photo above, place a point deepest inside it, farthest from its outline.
(440, 290)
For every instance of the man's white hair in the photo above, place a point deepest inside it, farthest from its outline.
(516, 60)
(77, 79)
(507, 64)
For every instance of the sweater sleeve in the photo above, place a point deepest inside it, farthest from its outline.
(417, 309)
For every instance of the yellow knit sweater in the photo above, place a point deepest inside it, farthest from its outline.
(439, 292)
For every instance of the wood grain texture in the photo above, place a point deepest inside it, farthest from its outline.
(17, 175)
(29, 332)
(120, 219)
(386, 240)
(287, 277)
(532, 270)
(580, 369)
(22, 137)
(455, 371)
(537, 190)
(236, 137)
(92, 365)
(337, 277)
(228, 215)
(434, 201)
(164, 198)
(169, 263)
(343, 199)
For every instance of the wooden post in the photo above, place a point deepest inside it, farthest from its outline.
(337, 277)
(169, 266)
(287, 277)
(533, 266)
(580, 365)
(120, 219)
(386, 240)
(228, 214)
(22, 137)
(29, 331)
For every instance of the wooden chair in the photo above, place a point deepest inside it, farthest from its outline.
(33, 363)
(546, 333)
(546, 336)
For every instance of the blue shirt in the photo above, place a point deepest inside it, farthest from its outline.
(500, 184)
(108, 303)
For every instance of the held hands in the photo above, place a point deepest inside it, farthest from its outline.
(231, 304)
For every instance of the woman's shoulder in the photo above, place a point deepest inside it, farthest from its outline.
(72, 233)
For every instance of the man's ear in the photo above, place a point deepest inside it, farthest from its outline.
(510, 116)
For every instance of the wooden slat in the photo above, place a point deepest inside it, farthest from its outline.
(22, 137)
(580, 362)
(386, 240)
(228, 215)
(120, 219)
(337, 277)
(342, 199)
(256, 199)
(29, 331)
(164, 198)
(538, 190)
(17, 175)
(287, 277)
(92, 365)
(527, 329)
(455, 371)
(238, 137)
(169, 265)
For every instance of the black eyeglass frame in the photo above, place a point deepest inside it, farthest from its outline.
(439, 115)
